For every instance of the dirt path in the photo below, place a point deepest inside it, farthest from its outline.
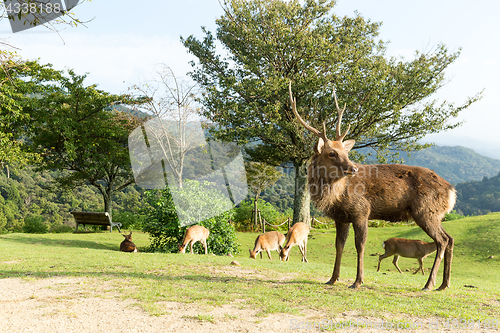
(82, 305)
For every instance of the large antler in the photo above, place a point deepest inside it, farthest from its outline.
(340, 137)
(299, 118)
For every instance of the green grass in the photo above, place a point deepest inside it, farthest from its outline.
(274, 286)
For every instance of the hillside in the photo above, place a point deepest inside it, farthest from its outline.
(479, 197)
(455, 164)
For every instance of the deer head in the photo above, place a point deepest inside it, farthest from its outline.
(333, 153)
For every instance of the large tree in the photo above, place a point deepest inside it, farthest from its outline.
(75, 128)
(268, 43)
(13, 91)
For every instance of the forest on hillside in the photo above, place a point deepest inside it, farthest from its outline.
(479, 197)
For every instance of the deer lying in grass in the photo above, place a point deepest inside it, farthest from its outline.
(297, 235)
(407, 248)
(127, 245)
(194, 234)
(352, 193)
(269, 241)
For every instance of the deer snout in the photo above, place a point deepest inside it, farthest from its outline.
(351, 170)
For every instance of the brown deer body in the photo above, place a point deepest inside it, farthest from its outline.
(127, 245)
(407, 248)
(352, 193)
(297, 235)
(194, 234)
(269, 241)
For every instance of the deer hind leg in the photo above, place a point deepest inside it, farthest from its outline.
(342, 233)
(448, 257)
(441, 238)
(395, 262)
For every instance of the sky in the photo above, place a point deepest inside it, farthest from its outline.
(124, 42)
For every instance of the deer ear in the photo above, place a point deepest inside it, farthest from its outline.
(318, 147)
(348, 145)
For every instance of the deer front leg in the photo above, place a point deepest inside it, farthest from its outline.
(342, 233)
(269, 254)
(360, 234)
(204, 242)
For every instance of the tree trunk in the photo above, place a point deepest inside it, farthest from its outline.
(108, 205)
(255, 210)
(302, 199)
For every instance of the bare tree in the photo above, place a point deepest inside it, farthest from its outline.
(174, 129)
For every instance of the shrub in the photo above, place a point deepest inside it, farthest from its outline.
(243, 214)
(165, 231)
(129, 220)
(452, 216)
(35, 225)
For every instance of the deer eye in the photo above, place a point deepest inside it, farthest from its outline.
(332, 154)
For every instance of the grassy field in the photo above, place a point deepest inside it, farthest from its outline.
(274, 286)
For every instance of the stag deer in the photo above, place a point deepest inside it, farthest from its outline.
(407, 248)
(297, 235)
(353, 193)
(127, 245)
(269, 241)
(194, 234)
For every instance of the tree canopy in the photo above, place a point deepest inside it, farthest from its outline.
(73, 127)
(269, 43)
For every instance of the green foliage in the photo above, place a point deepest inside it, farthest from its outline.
(479, 197)
(162, 222)
(35, 225)
(73, 127)
(33, 194)
(129, 220)
(453, 216)
(12, 113)
(243, 213)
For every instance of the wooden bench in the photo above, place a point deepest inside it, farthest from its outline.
(95, 218)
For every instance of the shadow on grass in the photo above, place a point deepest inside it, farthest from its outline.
(153, 276)
(77, 243)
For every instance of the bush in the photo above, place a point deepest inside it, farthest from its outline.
(165, 230)
(453, 216)
(129, 220)
(243, 213)
(35, 225)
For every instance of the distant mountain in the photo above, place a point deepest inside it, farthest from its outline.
(478, 198)
(455, 164)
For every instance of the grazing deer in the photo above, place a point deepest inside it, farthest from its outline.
(297, 235)
(127, 245)
(269, 241)
(353, 193)
(407, 248)
(194, 234)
